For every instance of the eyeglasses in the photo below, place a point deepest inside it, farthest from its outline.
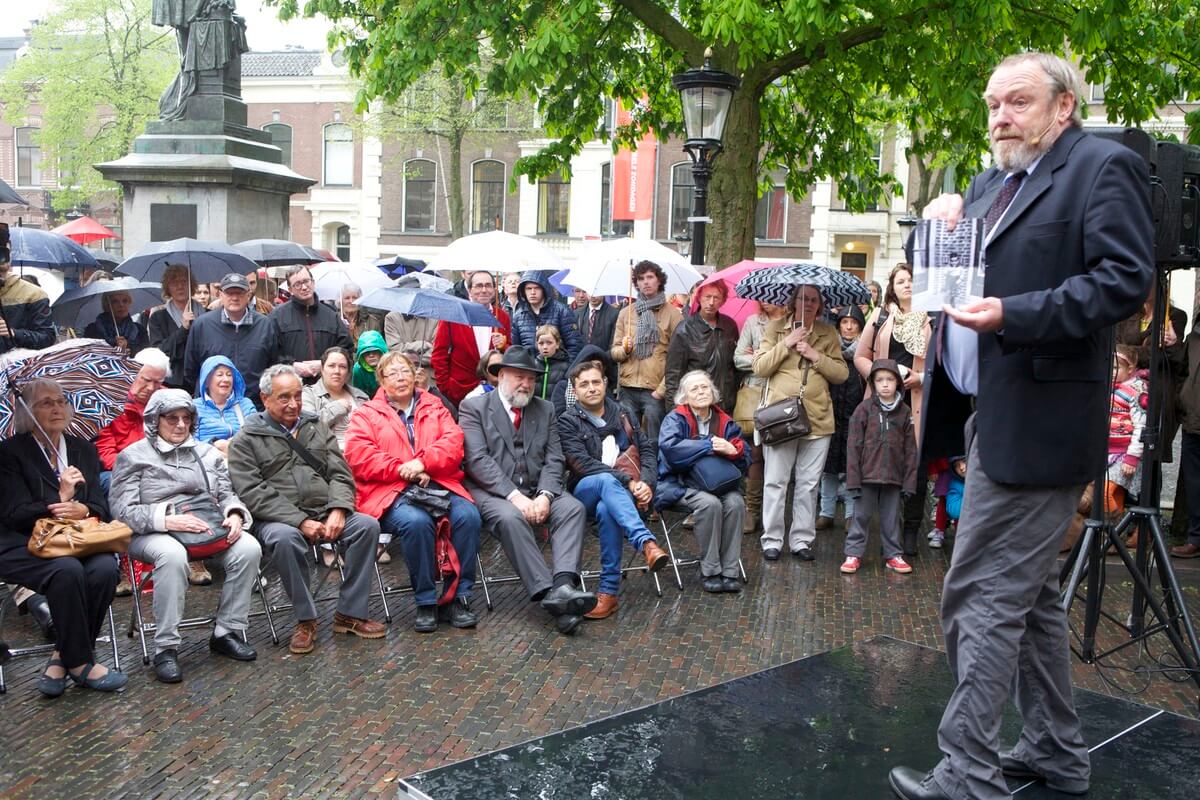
(177, 421)
(400, 372)
(300, 284)
(60, 402)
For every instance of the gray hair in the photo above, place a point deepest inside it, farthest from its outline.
(23, 421)
(1061, 76)
(685, 383)
(155, 359)
(271, 373)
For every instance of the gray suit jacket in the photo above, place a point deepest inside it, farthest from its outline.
(490, 461)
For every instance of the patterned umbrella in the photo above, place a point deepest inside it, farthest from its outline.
(778, 285)
(95, 377)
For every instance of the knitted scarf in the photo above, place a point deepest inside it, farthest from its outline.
(909, 330)
(647, 326)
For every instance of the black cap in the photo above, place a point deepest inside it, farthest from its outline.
(235, 280)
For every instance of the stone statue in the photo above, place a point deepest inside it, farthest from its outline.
(211, 40)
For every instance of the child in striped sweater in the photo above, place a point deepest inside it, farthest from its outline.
(1127, 418)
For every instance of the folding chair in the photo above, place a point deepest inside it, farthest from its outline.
(481, 576)
(315, 550)
(630, 567)
(679, 514)
(18, 652)
(139, 625)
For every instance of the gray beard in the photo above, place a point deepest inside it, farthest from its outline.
(515, 401)
(1021, 157)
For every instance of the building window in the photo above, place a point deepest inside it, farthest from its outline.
(419, 183)
(281, 137)
(339, 155)
(770, 215)
(343, 242)
(487, 196)
(606, 199)
(29, 158)
(683, 186)
(554, 204)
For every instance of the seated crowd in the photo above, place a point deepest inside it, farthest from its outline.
(268, 453)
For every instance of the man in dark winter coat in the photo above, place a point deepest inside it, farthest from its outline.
(597, 319)
(307, 327)
(25, 320)
(536, 307)
(705, 341)
(234, 330)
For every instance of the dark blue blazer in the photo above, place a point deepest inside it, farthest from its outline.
(1072, 257)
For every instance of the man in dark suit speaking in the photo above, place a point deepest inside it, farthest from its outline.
(514, 470)
(1069, 252)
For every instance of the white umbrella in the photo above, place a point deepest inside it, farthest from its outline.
(606, 268)
(495, 251)
(331, 276)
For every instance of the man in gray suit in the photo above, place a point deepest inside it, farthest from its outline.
(514, 467)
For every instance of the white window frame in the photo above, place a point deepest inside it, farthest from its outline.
(503, 205)
(404, 197)
(325, 155)
(671, 205)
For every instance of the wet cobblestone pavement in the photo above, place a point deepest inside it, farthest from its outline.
(355, 716)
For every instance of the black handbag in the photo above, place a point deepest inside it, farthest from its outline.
(783, 420)
(713, 474)
(213, 541)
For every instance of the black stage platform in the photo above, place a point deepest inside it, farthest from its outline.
(829, 726)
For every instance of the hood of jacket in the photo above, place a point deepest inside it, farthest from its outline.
(165, 401)
(541, 278)
(206, 370)
(591, 352)
(370, 342)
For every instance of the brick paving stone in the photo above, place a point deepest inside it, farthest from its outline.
(354, 716)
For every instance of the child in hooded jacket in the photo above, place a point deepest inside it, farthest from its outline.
(881, 467)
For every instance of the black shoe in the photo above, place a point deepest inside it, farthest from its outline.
(804, 554)
(732, 585)
(568, 600)
(232, 646)
(771, 554)
(166, 667)
(567, 623)
(1015, 768)
(909, 784)
(37, 607)
(426, 621)
(714, 583)
(458, 613)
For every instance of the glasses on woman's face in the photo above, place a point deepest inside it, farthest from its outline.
(52, 402)
(398, 373)
(176, 420)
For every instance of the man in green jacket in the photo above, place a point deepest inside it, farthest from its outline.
(287, 468)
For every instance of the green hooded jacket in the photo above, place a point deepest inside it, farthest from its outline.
(364, 376)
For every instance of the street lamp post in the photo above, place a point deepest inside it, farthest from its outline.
(706, 94)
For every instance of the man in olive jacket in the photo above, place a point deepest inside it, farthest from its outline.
(288, 470)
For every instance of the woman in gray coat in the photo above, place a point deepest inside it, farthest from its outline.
(168, 486)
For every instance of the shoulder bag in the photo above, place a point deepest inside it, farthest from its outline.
(783, 420)
(629, 462)
(714, 474)
(215, 540)
(53, 537)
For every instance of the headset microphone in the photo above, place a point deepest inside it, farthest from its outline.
(1037, 139)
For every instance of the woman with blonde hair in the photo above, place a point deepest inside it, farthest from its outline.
(170, 323)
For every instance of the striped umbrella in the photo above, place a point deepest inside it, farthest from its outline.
(777, 285)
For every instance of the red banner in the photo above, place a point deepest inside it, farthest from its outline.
(633, 177)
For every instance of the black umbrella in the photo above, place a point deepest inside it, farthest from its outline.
(104, 259)
(207, 261)
(76, 307)
(31, 247)
(9, 195)
(277, 252)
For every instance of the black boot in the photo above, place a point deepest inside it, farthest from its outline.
(37, 607)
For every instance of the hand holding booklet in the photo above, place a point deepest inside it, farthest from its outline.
(948, 265)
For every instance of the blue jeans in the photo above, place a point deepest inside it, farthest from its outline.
(611, 503)
(833, 488)
(416, 528)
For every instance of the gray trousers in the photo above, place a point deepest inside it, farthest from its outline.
(567, 520)
(885, 500)
(289, 552)
(802, 460)
(1006, 635)
(170, 561)
(718, 529)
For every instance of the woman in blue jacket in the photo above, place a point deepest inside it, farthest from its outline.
(221, 405)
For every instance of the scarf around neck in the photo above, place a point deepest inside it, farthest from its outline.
(647, 326)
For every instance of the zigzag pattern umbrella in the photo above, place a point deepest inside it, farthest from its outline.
(777, 285)
(95, 377)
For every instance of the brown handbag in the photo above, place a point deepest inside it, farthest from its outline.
(53, 538)
(629, 461)
(783, 420)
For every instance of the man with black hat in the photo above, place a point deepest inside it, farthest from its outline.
(514, 470)
(248, 338)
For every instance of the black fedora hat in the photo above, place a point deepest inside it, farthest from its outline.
(516, 357)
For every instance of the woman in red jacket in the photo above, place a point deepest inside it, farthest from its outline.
(406, 453)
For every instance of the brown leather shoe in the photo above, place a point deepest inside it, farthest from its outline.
(656, 558)
(304, 638)
(198, 575)
(606, 606)
(362, 628)
(1188, 550)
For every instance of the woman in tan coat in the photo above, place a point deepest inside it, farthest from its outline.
(799, 354)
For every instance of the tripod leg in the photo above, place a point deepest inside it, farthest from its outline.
(1173, 599)
(1076, 565)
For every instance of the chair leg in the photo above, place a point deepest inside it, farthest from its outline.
(112, 638)
(137, 622)
(3, 685)
(387, 613)
(742, 569)
(671, 551)
(483, 581)
(264, 585)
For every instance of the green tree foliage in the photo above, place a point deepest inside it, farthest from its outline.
(92, 77)
(821, 79)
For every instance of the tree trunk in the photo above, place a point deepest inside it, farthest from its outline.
(733, 193)
(457, 225)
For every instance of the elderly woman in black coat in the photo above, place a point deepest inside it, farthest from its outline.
(46, 472)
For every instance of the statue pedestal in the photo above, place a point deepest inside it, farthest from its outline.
(205, 178)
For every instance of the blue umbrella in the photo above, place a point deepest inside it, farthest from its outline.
(35, 248)
(207, 261)
(75, 308)
(398, 265)
(429, 304)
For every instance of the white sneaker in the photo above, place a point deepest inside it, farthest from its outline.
(936, 539)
